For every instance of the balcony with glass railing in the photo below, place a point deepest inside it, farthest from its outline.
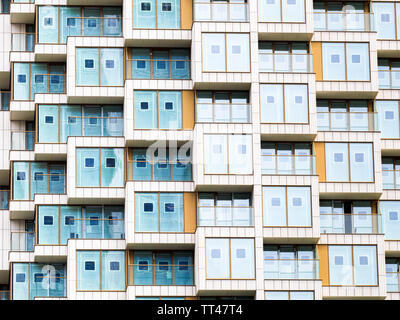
(285, 62)
(389, 79)
(4, 199)
(227, 216)
(390, 179)
(223, 112)
(23, 41)
(300, 269)
(49, 183)
(288, 164)
(49, 285)
(392, 281)
(343, 21)
(22, 240)
(93, 228)
(354, 223)
(221, 11)
(22, 140)
(49, 83)
(91, 126)
(347, 121)
(5, 100)
(158, 68)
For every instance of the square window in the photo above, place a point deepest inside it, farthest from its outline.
(359, 157)
(183, 265)
(71, 120)
(140, 64)
(242, 149)
(110, 162)
(48, 220)
(180, 64)
(291, 1)
(92, 23)
(338, 157)
(169, 106)
(144, 105)
(55, 79)
(270, 99)
(89, 265)
(235, 49)
(89, 162)
(93, 221)
(110, 64)
(169, 207)
(92, 121)
(355, 58)
(240, 253)
(217, 148)
(215, 49)
(162, 165)
(141, 163)
(166, 6)
(71, 22)
(297, 202)
(363, 260)
(112, 22)
(385, 17)
(389, 115)
(143, 265)
(20, 277)
(20, 175)
(298, 99)
(22, 78)
(338, 260)
(393, 215)
(48, 21)
(39, 78)
(38, 277)
(148, 207)
(54, 177)
(216, 253)
(145, 6)
(48, 119)
(38, 176)
(270, 1)
(89, 63)
(114, 265)
(69, 221)
(335, 58)
(163, 265)
(275, 202)
(162, 65)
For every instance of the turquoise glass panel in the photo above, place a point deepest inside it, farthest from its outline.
(217, 258)
(141, 166)
(180, 64)
(143, 268)
(92, 21)
(168, 14)
(146, 212)
(56, 178)
(88, 270)
(384, 15)
(340, 265)
(87, 66)
(293, 11)
(38, 178)
(56, 79)
(299, 206)
(162, 168)
(39, 79)
(113, 121)
(71, 24)
(145, 103)
(170, 109)
(171, 212)
(161, 64)
(112, 167)
(144, 14)
(242, 259)
(365, 266)
(48, 24)
(71, 122)
(183, 272)
(93, 222)
(333, 61)
(48, 123)
(39, 281)
(20, 280)
(113, 270)
(391, 219)
(21, 81)
(21, 181)
(70, 223)
(140, 63)
(87, 167)
(92, 121)
(181, 169)
(164, 269)
(388, 112)
(48, 224)
(112, 21)
(112, 67)
(114, 227)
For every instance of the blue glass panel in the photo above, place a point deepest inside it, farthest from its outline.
(91, 24)
(112, 21)
(144, 14)
(180, 65)
(140, 63)
(171, 212)
(20, 81)
(146, 212)
(85, 75)
(48, 24)
(141, 167)
(170, 118)
(87, 176)
(168, 14)
(145, 118)
(111, 66)
(88, 279)
(161, 64)
(143, 269)
(113, 270)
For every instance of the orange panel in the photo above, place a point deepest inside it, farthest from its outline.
(323, 257)
(316, 48)
(186, 14)
(319, 148)
(187, 110)
(189, 209)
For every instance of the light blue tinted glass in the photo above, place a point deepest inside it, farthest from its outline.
(171, 212)
(217, 258)
(111, 67)
(168, 14)
(93, 224)
(170, 109)
(180, 64)
(145, 103)
(164, 269)
(141, 166)
(237, 52)
(38, 79)
(143, 269)
(337, 161)
(365, 266)
(112, 167)
(5, 101)
(71, 122)
(20, 281)
(242, 259)
(293, 10)
(38, 178)
(87, 176)
(56, 79)
(114, 226)
(183, 270)
(86, 72)
(361, 163)
(113, 122)
(296, 103)
(70, 22)
(21, 181)
(301, 295)
(140, 63)
(271, 96)
(389, 118)
(144, 14)
(162, 168)
(274, 206)
(91, 23)
(112, 21)
(146, 212)
(216, 154)
(70, 223)
(357, 61)
(384, 20)
(181, 168)
(48, 233)
(113, 270)
(21, 81)
(391, 219)
(269, 11)
(161, 64)
(56, 179)
(340, 265)
(48, 32)
(92, 121)
(48, 131)
(299, 206)
(276, 295)
(333, 61)
(88, 278)
(214, 57)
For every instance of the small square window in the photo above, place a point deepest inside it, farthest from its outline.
(71, 120)
(112, 220)
(92, 23)
(48, 220)
(89, 162)
(393, 215)
(141, 163)
(39, 78)
(166, 6)
(359, 157)
(89, 265)
(216, 253)
(338, 260)
(180, 64)
(297, 202)
(110, 162)
(162, 165)
(236, 50)
(270, 1)
(38, 277)
(110, 64)
(112, 22)
(240, 253)
(291, 1)
(71, 22)
(169, 106)
(93, 221)
(338, 157)
(335, 58)
(55, 79)
(69, 221)
(217, 148)
(48, 21)
(389, 115)
(48, 119)
(143, 265)
(298, 99)
(169, 207)
(385, 17)
(55, 177)
(20, 277)
(38, 176)
(270, 99)
(162, 65)
(93, 121)
(148, 207)
(363, 260)
(163, 265)
(275, 202)
(140, 64)
(215, 49)
(183, 265)
(145, 6)
(22, 78)
(242, 149)
(114, 265)
(355, 58)
(20, 175)
(89, 63)
(144, 105)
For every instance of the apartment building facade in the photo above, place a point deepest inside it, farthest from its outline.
(185, 150)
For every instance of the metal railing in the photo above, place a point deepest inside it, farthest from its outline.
(22, 140)
(23, 41)
(343, 21)
(157, 68)
(291, 269)
(221, 11)
(22, 241)
(347, 121)
(225, 216)
(351, 223)
(389, 79)
(4, 199)
(223, 112)
(49, 83)
(5, 97)
(392, 281)
(288, 164)
(285, 62)
(390, 179)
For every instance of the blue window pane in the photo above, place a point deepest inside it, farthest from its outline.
(94, 221)
(141, 64)
(92, 23)
(89, 63)
(22, 78)
(163, 266)
(89, 265)
(166, 6)
(89, 162)
(180, 64)
(20, 175)
(38, 176)
(48, 21)
(71, 22)
(38, 277)
(143, 265)
(48, 220)
(20, 277)
(39, 79)
(169, 106)
(148, 207)
(161, 65)
(114, 265)
(93, 121)
(355, 58)
(55, 79)
(145, 6)
(48, 119)
(335, 58)
(169, 207)
(144, 105)
(69, 221)
(54, 178)
(110, 64)
(141, 163)
(110, 162)
(112, 22)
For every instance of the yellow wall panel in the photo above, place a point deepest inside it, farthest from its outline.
(186, 14)
(323, 257)
(189, 208)
(187, 110)
(316, 50)
(319, 148)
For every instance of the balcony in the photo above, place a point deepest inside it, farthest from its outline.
(347, 121)
(221, 11)
(389, 79)
(94, 228)
(343, 21)
(391, 179)
(22, 241)
(392, 281)
(288, 164)
(351, 223)
(285, 62)
(22, 140)
(227, 216)
(23, 41)
(223, 112)
(159, 68)
(5, 100)
(299, 269)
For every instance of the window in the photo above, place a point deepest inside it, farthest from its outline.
(92, 121)
(110, 162)
(48, 220)
(38, 176)
(338, 260)
(183, 265)
(89, 63)
(236, 49)
(241, 253)
(93, 221)
(390, 219)
(338, 157)
(145, 6)
(92, 23)
(89, 162)
(114, 265)
(180, 65)
(359, 157)
(141, 64)
(20, 277)
(143, 265)
(216, 253)
(144, 105)
(71, 120)
(48, 119)
(148, 207)
(22, 78)
(90, 266)
(169, 106)
(363, 260)
(215, 49)
(109, 64)
(166, 6)
(38, 277)
(112, 23)
(389, 115)
(39, 78)
(169, 207)
(69, 221)
(20, 175)
(163, 265)
(48, 21)
(393, 215)
(335, 58)
(355, 58)
(290, 11)
(71, 22)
